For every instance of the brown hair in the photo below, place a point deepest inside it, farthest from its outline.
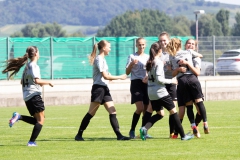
(155, 48)
(15, 64)
(164, 34)
(189, 40)
(138, 39)
(96, 46)
(173, 46)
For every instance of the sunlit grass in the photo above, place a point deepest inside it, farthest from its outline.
(56, 141)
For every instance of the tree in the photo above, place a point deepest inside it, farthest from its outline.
(41, 30)
(181, 26)
(77, 34)
(207, 26)
(236, 26)
(138, 23)
(223, 18)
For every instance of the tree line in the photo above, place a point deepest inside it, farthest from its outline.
(146, 23)
(94, 12)
(151, 22)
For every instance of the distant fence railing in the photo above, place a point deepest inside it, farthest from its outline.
(67, 58)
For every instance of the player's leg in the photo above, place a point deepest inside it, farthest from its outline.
(86, 120)
(109, 106)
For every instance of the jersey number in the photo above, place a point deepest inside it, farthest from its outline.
(152, 78)
(25, 83)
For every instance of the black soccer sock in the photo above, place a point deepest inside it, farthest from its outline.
(171, 125)
(202, 111)
(115, 125)
(178, 125)
(155, 118)
(198, 119)
(175, 132)
(36, 130)
(190, 114)
(181, 120)
(28, 119)
(84, 124)
(135, 119)
(146, 117)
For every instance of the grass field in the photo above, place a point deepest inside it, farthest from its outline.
(56, 141)
(7, 30)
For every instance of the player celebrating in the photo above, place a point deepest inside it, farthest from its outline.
(158, 95)
(100, 92)
(136, 66)
(164, 39)
(189, 87)
(191, 44)
(32, 87)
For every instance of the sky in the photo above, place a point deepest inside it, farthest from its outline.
(236, 2)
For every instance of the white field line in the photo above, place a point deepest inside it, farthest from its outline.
(65, 127)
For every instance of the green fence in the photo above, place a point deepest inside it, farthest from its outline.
(67, 58)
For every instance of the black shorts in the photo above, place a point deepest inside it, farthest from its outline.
(35, 105)
(100, 94)
(172, 90)
(165, 102)
(188, 89)
(139, 91)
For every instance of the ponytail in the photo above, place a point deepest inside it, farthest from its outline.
(154, 50)
(15, 64)
(96, 46)
(93, 54)
(173, 46)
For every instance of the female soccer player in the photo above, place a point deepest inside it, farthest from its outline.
(136, 66)
(158, 95)
(100, 93)
(32, 87)
(191, 44)
(164, 39)
(189, 87)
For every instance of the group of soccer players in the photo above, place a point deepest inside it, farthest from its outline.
(163, 78)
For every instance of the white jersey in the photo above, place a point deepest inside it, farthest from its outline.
(157, 81)
(99, 66)
(29, 87)
(138, 70)
(165, 58)
(187, 55)
(197, 62)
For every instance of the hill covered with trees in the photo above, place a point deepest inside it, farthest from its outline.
(95, 12)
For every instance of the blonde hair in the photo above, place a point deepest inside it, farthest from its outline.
(96, 46)
(15, 64)
(173, 46)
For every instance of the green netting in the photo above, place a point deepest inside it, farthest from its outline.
(62, 58)
(3, 56)
(121, 47)
(19, 46)
(70, 57)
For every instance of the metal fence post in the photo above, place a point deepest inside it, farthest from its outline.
(214, 55)
(94, 40)
(205, 90)
(134, 46)
(8, 54)
(51, 54)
